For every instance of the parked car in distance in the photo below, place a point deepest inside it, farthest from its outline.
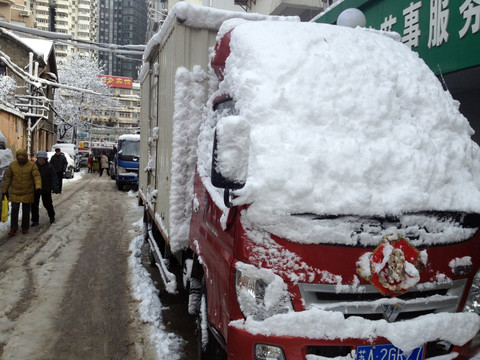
(83, 162)
(69, 172)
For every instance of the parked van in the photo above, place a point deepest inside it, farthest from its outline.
(70, 149)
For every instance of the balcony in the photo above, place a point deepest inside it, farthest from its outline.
(305, 9)
(41, 6)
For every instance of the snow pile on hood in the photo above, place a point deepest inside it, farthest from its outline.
(344, 121)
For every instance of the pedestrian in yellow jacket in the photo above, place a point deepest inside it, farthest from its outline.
(23, 179)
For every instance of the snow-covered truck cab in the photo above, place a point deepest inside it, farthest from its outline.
(312, 258)
(343, 221)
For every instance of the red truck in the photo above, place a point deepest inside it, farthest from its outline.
(315, 185)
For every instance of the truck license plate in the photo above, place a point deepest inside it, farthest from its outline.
(388, 352)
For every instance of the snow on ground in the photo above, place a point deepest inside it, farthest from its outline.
(167, 345)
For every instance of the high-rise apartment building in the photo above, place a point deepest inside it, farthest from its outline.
(122, 22)
(74, 17)
(16, 13)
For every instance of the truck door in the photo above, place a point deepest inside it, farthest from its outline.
(153, 127)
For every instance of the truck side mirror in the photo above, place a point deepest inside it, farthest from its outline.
(230, 153)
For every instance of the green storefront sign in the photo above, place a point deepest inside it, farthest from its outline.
(446, 34)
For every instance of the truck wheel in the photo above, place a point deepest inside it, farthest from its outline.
(119, 186)
(194, 296)
(207, 346)
(147, 253)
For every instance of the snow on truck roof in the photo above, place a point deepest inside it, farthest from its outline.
(202, 17)
(131, 137)
(344, 121)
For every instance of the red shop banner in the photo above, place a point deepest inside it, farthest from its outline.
(116, 81)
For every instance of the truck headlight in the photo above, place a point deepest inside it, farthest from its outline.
(473, 299)
(268, 352)
(121, 170)
(260, 293)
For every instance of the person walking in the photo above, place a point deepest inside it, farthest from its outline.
(90, 163)
(23, 180)
(104, 164)
(49, 184)
(59, 162)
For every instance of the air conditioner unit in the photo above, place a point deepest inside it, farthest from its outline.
(25, 13)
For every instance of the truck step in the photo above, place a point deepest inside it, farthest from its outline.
(169, 279)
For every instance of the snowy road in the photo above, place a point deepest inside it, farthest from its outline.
(64, 288)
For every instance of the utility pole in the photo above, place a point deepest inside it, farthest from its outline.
(31, 100)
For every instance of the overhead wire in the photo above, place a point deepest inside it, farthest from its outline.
(68, 39)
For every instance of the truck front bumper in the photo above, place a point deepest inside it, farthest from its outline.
(127, 179)
(313, 336)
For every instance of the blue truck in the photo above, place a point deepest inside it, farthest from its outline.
(126, 161)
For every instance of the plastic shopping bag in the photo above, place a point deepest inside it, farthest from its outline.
(4, 209)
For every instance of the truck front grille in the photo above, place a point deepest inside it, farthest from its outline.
(365, 301)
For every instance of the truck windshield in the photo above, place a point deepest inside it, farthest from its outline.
(128, 147)
(420, 228)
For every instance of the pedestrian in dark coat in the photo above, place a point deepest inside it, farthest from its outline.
(23, 179)
(49, 184)
(59, 162)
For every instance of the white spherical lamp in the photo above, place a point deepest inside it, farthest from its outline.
(352, 18)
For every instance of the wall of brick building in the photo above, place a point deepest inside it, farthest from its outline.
(12, 126)
(12, 122)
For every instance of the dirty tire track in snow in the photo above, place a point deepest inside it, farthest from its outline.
(96, 285)
(66, 285)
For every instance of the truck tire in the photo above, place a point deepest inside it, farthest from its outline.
(207, 346)
(119, 186)
(194, 296)
(147, 253)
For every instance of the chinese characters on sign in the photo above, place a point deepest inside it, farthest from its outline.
(411, 30)
(470, 10)
(439, 11)
(116, 81)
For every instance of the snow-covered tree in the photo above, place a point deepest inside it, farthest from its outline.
(74, 109)
(7, 87)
